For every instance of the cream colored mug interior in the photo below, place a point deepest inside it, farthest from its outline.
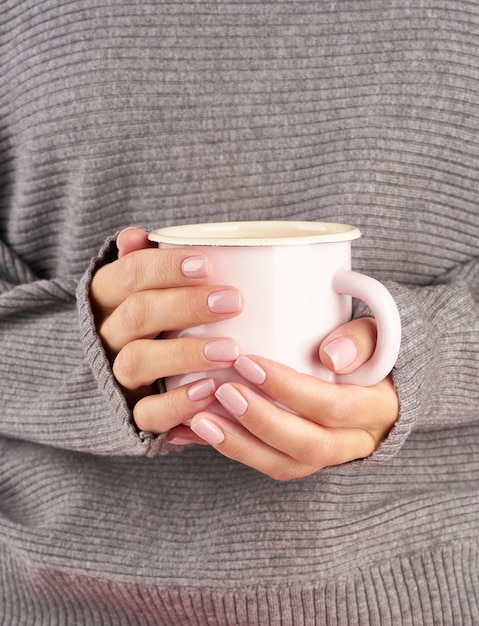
(255, 233)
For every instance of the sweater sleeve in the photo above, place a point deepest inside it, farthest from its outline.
(57, 387)
(436, 374)
(56, 384)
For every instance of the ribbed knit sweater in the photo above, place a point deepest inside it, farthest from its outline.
(119, 112)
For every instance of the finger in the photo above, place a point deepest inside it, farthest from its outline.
(146, 269)
(131, 239)
(158, 413)
(145, 314)
(305, 441)
(183, 436)
(340, 406)
(240, 445)
(142, 362)
(349, 345)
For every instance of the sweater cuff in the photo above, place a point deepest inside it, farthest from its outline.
(409, 372)
(133, 441)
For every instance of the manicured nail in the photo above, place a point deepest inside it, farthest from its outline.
(225, 301)
(232, 400)
(221, 350)
(195, 267)
(342, 352)
(207, 430)
(250, 370)
(181, 441)
(201, 389)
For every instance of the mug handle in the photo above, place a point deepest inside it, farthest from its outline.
(383, 306)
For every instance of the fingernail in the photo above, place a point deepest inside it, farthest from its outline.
(225, 301)
(250, 370)
(342, 352)
(221, 350)
(181, 441)
(195, 267)
(120, 234)
(232, 400)
(201, 389)
(207, 430)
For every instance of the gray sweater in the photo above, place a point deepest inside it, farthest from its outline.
(153, 113)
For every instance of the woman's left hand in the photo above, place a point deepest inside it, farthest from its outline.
(326, 424)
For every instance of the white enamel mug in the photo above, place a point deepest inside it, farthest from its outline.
(297, 285)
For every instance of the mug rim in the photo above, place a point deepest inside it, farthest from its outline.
(255, 233)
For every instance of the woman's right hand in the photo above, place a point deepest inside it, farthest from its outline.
(145, 292)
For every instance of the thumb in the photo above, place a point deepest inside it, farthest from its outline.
(349, 346)
(131, 239)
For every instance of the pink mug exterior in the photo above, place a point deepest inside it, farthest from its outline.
(295, 294)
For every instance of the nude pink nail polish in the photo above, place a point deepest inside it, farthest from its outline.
(250, 370)
(225, 301)
(232, 400)
(342, 352)
(181, 441)
(221, 350)
(207, 430)
(195, 267)
(201, 389)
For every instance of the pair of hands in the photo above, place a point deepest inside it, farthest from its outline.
(148, 291)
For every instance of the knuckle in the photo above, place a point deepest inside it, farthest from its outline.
(319, 452)
(315, 450)
(190, 305)
(332, 409)
(127, 366)
(234, 448)
(134, 313)
(319, 458)
(131, 271)
(167, 267)
(287, 471)
(142, 415)
(183, 356)
(194, 304)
